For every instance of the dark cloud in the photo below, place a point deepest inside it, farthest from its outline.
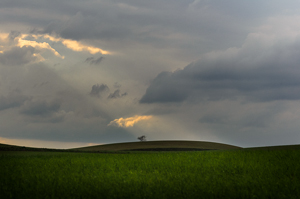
(218, 24)
(166, 88)
(212, 23)
(86, 26)
(98, 89)
(18, 56)
(255, 73)
(116, 94)
(93, 61)
(14, 99)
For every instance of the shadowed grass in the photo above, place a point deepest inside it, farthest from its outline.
(207, 174)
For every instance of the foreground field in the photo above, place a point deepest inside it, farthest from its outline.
(206, 174)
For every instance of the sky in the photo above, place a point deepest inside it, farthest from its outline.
(81, 73)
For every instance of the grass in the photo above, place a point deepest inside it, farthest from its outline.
(205, 174)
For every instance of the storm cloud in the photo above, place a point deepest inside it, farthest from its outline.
(252, 72)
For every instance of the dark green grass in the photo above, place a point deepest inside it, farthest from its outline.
(207, 174)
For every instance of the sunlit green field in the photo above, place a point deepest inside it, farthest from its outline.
(205, 174)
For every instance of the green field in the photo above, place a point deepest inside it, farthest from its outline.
(205, 174)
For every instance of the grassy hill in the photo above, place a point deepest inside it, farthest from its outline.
(159, 145)
(135, 146)
(151, 146)
(7, 147)
(4, 145)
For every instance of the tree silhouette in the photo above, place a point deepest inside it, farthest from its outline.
(142, 138)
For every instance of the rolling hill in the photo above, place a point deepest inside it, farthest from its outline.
(170, 145)
(159, 146)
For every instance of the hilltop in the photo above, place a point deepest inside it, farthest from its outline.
(160, 146)
(135, 146)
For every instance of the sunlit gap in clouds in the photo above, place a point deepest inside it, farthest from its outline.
(3, 36)
(45, 45)
(23, 40)
(3, 39)
(130, 121)
(74, 45)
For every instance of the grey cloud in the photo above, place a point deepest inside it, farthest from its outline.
(18, 56)
(116, 94)
(78, 131)
(93, 61)
(13, 99)
(152, 25)
(98, 89)
(166, 88)
(13, 34)
(164, 109)
(89, 59)
(37, 14)
(250, 120)
(40, 107)
(212, 119)
(85, 26)
(250, 73)
(151, 22)
(117, 85)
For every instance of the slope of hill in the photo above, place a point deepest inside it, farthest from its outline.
(7, 147)
(159, 145)
(4, 145)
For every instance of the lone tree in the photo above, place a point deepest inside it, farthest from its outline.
(142, 138)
